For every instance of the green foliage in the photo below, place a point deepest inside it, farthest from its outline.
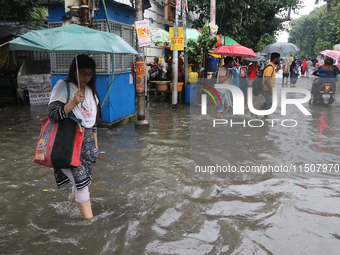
(265, 40)
(247, 21)
(23, 11)
(204, 43)
(317, 31)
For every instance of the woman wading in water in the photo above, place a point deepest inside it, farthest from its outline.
(83, 104)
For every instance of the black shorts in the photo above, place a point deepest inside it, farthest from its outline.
(285, 75)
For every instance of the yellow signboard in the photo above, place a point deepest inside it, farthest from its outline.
(171, 32)
(177, 43)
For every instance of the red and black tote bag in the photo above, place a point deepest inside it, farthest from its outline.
(60, 143)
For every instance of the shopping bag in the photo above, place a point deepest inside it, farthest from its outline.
(153, 72)
(59, 143)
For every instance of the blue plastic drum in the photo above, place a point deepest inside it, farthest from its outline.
(191, 93)
(212, 64)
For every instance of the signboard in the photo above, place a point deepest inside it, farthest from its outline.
(140, 69)
(243, 71)
(143, 33)
(178, 4)
(171, 32)
(39, 97)
(177, 43)
(140, 73)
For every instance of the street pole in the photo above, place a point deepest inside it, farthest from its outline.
(186, 74)
(84, 17)
(141, 122)
(175, 65)
(212, 14)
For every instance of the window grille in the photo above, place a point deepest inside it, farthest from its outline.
(60, 62)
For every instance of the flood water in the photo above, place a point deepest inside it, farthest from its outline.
(148, 199)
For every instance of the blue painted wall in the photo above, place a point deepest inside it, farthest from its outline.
(121, 100)
(55, 12)
(116, 12)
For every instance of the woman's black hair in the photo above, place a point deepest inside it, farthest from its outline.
(85, 62)
(328, 66)
(328, 61)
(292, 66)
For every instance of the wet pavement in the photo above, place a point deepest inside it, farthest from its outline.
(148, 199)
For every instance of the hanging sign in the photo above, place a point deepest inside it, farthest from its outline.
(140, 72)
(213, 27)
(143, 33)
(140, 68)
(177, 43)
(178, 4)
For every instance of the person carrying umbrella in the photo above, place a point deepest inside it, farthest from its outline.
(269, 81)
(83, 104)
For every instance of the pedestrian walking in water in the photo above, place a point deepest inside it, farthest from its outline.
(224, 77)
(252, 72)
(83, 104)
(269, 81)
(303, 67)
(285, 71)
(294, 74)
(309, 65)
(291, 59)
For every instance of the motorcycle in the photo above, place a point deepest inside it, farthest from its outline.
(324, 93)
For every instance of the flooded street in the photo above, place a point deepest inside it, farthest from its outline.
(148, 198)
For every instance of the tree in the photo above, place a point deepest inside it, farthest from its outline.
(316, 31)
(198, 50)
(247, 21)
(22, 11)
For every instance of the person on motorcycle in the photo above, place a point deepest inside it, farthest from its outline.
(328, 73)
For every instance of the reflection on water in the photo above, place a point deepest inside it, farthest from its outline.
(147, 199)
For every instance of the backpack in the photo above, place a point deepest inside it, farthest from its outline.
(257, 83)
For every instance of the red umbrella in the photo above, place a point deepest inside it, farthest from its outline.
(334, 54)
(235, 50)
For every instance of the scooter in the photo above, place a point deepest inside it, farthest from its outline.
(324, 94)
